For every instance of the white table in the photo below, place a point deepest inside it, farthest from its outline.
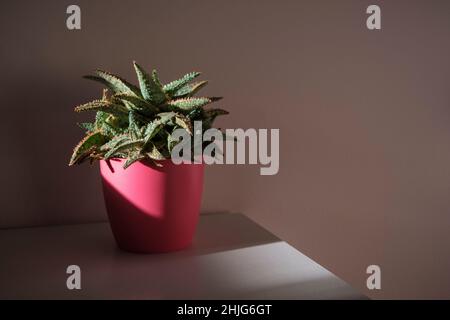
(231, 258)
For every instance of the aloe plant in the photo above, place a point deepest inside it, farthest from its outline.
(137, 122)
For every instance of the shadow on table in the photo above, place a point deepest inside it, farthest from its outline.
(228, 232)
(218, 232)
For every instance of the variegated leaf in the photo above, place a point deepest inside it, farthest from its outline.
(188, 104)
(151, 89)
(155, 154)
(92, 140)
(137, 103)
(113, 82)
(101, 105)
(133, 158)
(173, 86)
(189, 90)
(184, 122)
(124, 146)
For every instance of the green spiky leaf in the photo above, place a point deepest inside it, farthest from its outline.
(189, 90)
(87, 126)
(155, 154)
(108, 124)
(171, 142)
(101, 105)
(210, 115)
(195, 114)
(137, 103)
(133, 126)
(92, 140)
(110, 130)
(152, 129)
(135, 157)
(166, 117)
(184, 122)
(113, 82)
(173, 86)
(127, 145)
(115, 141)
(188, 104)
(151, 88)
(100, 118)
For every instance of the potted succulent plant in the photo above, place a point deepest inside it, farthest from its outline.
(152, 204)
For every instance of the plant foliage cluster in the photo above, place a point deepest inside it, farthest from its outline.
(137, 122)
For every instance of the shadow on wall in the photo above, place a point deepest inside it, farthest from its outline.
(39, 188)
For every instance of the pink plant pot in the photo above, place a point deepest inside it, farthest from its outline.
(152, 209)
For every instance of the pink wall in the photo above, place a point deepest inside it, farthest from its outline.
(363, 116)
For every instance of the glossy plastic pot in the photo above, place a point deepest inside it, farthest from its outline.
(152, 209)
